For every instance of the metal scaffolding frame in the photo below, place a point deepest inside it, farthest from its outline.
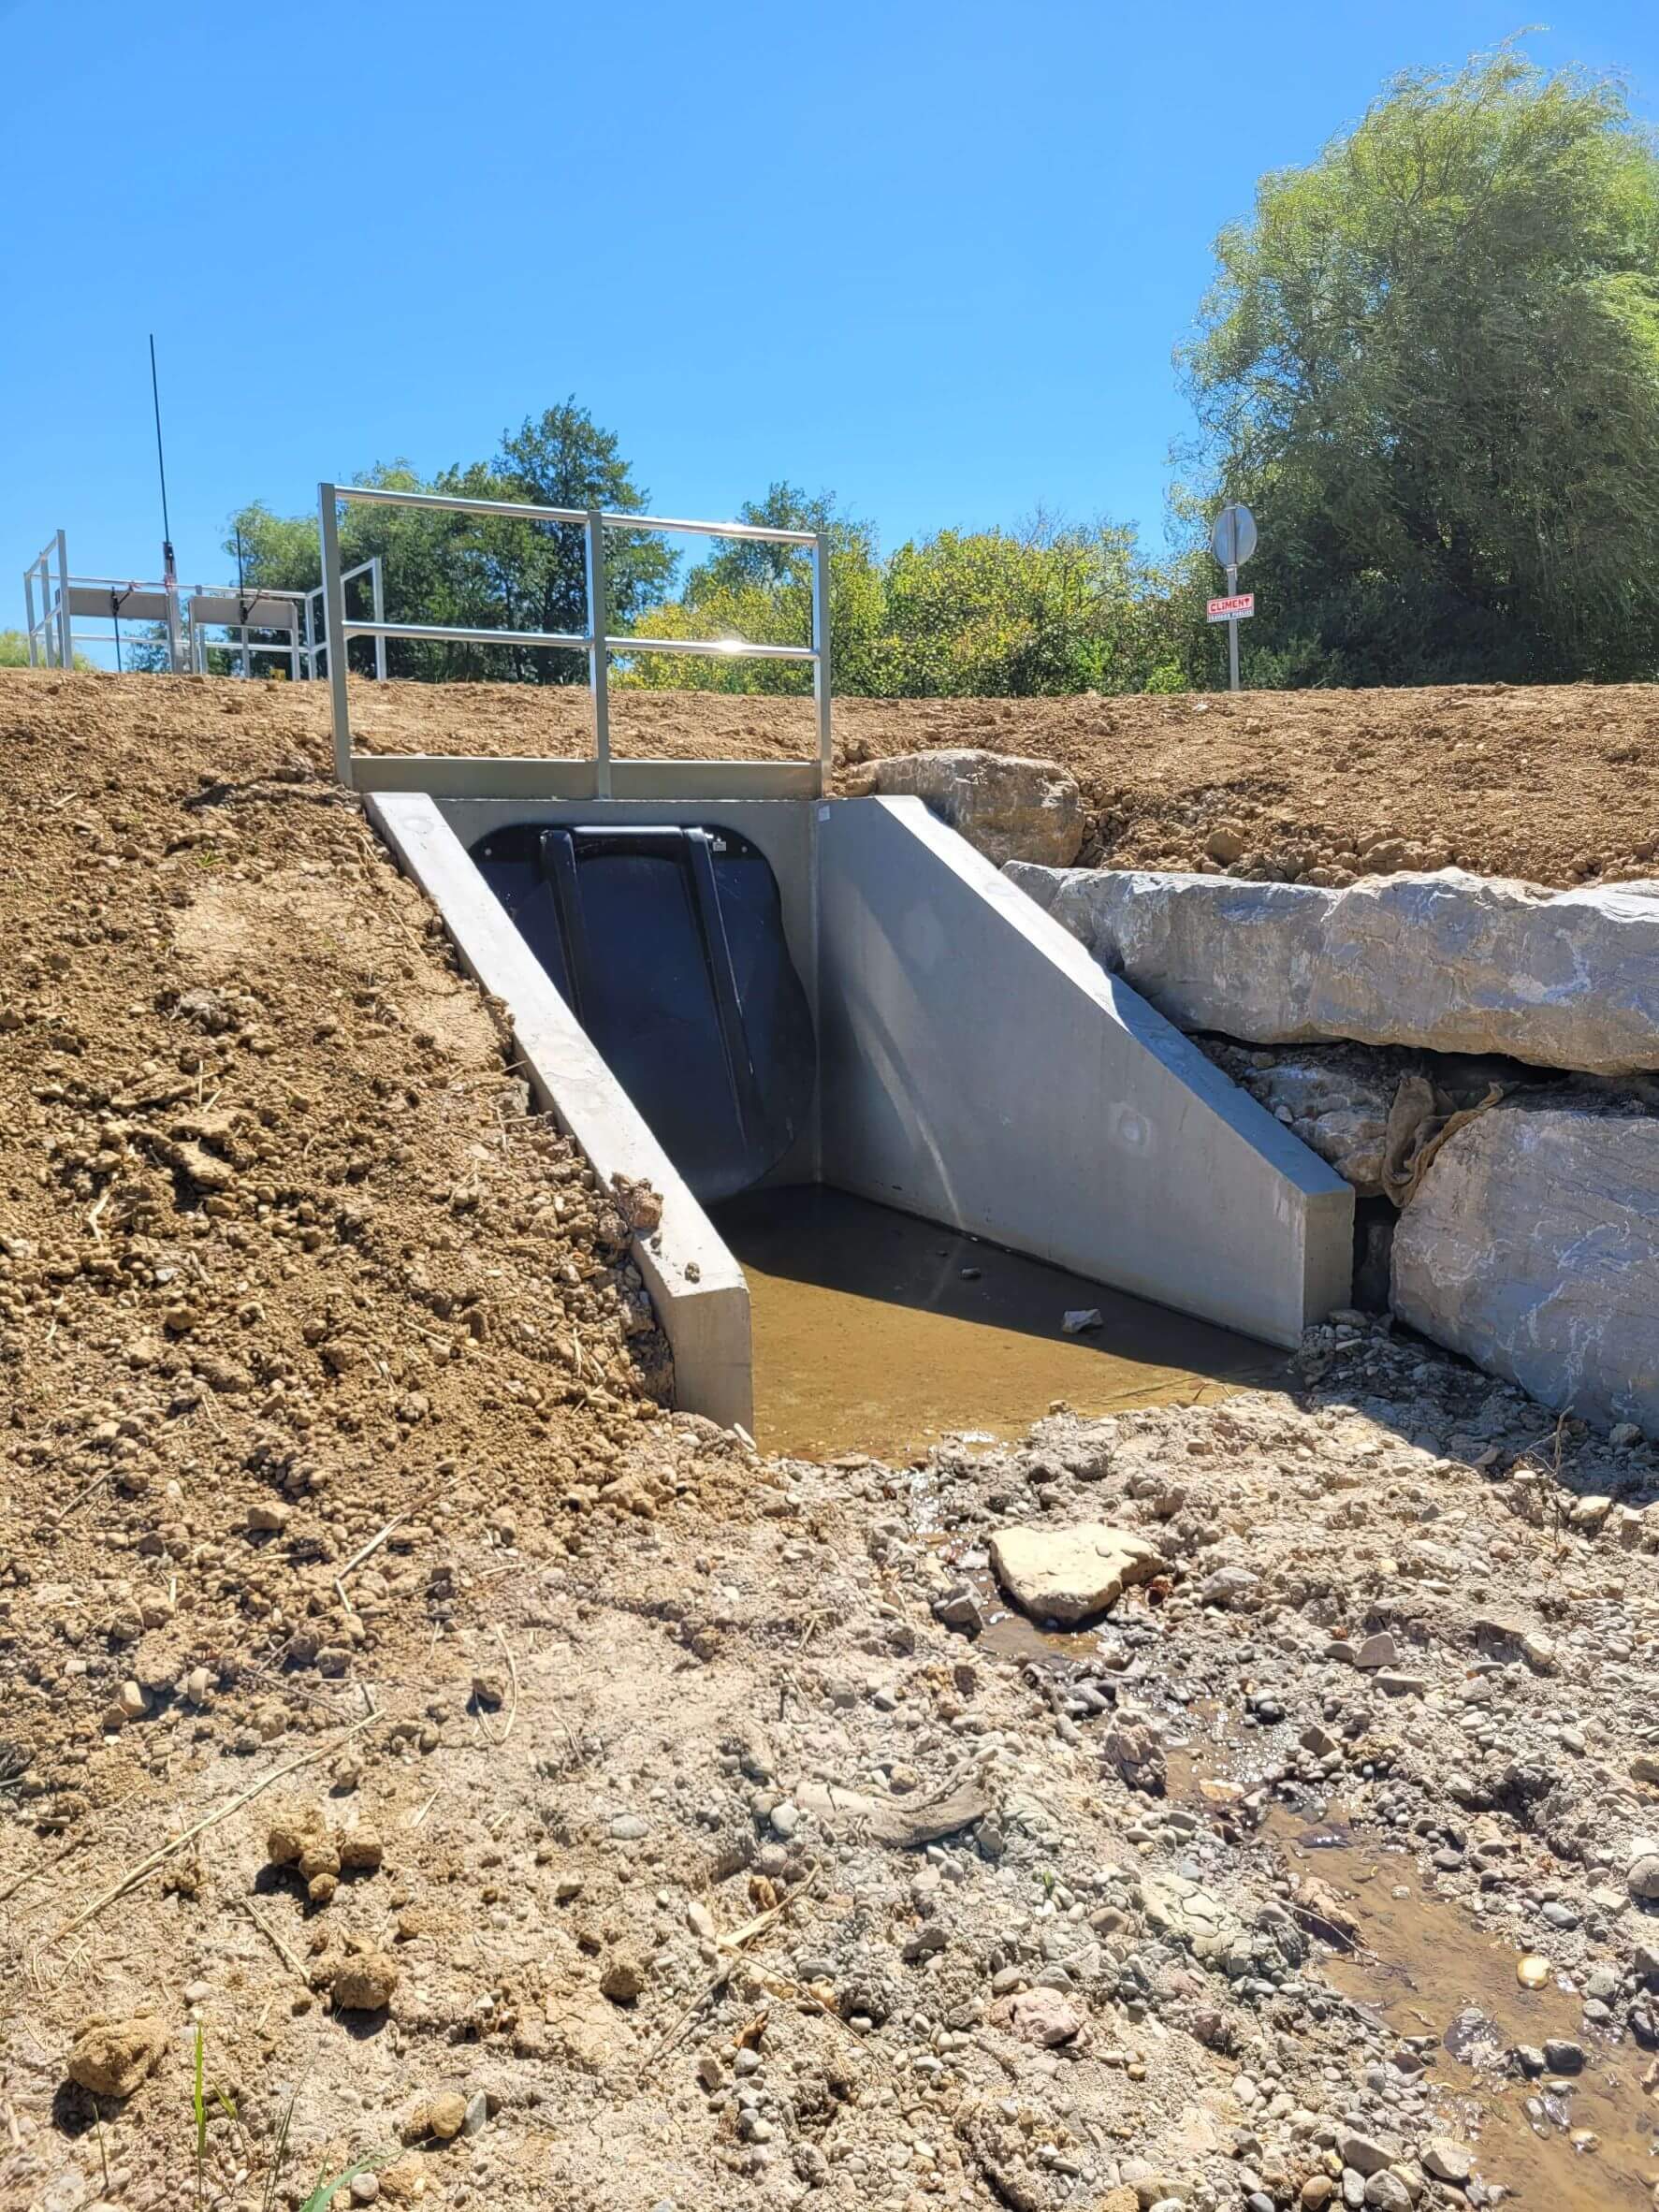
(596, 641)
(55, 602)
(48, 631)
(239, 613)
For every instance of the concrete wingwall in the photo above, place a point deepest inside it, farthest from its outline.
(978, 1066)
(697, 1287)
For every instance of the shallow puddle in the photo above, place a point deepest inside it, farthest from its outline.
(1430, 1970)
(880, 1333)
(1426, 1967)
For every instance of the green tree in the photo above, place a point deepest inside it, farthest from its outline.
(1429, 362)
(483, 573)
(1048, 609)
(14, 651)
(761, 593)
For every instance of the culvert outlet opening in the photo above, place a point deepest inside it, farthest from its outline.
(927, 1120)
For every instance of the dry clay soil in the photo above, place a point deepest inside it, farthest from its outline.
(544, 1796)
(1557, 785)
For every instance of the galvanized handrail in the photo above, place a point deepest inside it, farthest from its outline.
(316, 642)
(597, 641)
(52, 627)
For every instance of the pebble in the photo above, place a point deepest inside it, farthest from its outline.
(624, 1980)
(447, 2115)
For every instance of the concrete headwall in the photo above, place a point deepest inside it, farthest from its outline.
(979, 1068)
(696, 1287)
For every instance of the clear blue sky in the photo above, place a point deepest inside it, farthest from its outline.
(934, 257)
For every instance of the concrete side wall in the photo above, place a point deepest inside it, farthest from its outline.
(696, 1287)
(979, 1068)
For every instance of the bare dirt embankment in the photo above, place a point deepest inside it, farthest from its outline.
(1558, 784)
(368, 1632)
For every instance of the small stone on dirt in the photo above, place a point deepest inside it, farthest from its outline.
(1046, 2018)
(623, 1979)
(1447, 2160)
(364, 1983)
(447, 2115)
(1070, 1574)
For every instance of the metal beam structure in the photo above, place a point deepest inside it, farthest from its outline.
(55, 601)
(597, 641)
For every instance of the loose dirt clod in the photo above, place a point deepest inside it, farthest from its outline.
(366, 1982)
(111, 2057)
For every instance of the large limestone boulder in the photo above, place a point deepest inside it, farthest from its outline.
(1448, 962)
(1070, 1574)
(1532, 1247)
(1008, 808)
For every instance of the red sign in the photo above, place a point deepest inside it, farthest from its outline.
(1236, 610)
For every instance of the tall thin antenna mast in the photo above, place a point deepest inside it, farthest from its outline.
(167, 532)
(169, 567)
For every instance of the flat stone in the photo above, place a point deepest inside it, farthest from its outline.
(1366, 2154)
(1008, 807)
(1447, 2160)
(1532, 1247)
(1386, 2192)
(1448, 962)
(923, 1819)
(1189, 1911)
(1070, 1574)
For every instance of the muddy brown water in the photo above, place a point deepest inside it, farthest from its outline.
(1426, 1967)
(869, 1336)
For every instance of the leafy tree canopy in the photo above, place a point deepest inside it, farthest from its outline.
(483, 573)
(1429, 362)
(983, 613)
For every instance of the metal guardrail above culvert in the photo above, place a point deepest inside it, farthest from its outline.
(593, 778)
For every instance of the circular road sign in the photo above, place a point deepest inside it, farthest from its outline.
(1234, 539)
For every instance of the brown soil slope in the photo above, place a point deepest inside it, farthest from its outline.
(1559, 784)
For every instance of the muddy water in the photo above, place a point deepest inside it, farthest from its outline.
(1426, 1967)
(880, 1333)
(1430, 1968)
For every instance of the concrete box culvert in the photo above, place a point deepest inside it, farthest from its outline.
(976, 1066)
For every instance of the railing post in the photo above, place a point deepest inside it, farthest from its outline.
(821, 667)
(29, 612)
(65, 620)
(334, 628)
(599, 660)
(377, 600)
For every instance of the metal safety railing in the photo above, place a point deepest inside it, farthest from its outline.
(49, 633)
(315, 629)
(278, 611)
(596, 641)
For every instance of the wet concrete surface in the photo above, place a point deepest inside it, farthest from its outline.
(876, 1332)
